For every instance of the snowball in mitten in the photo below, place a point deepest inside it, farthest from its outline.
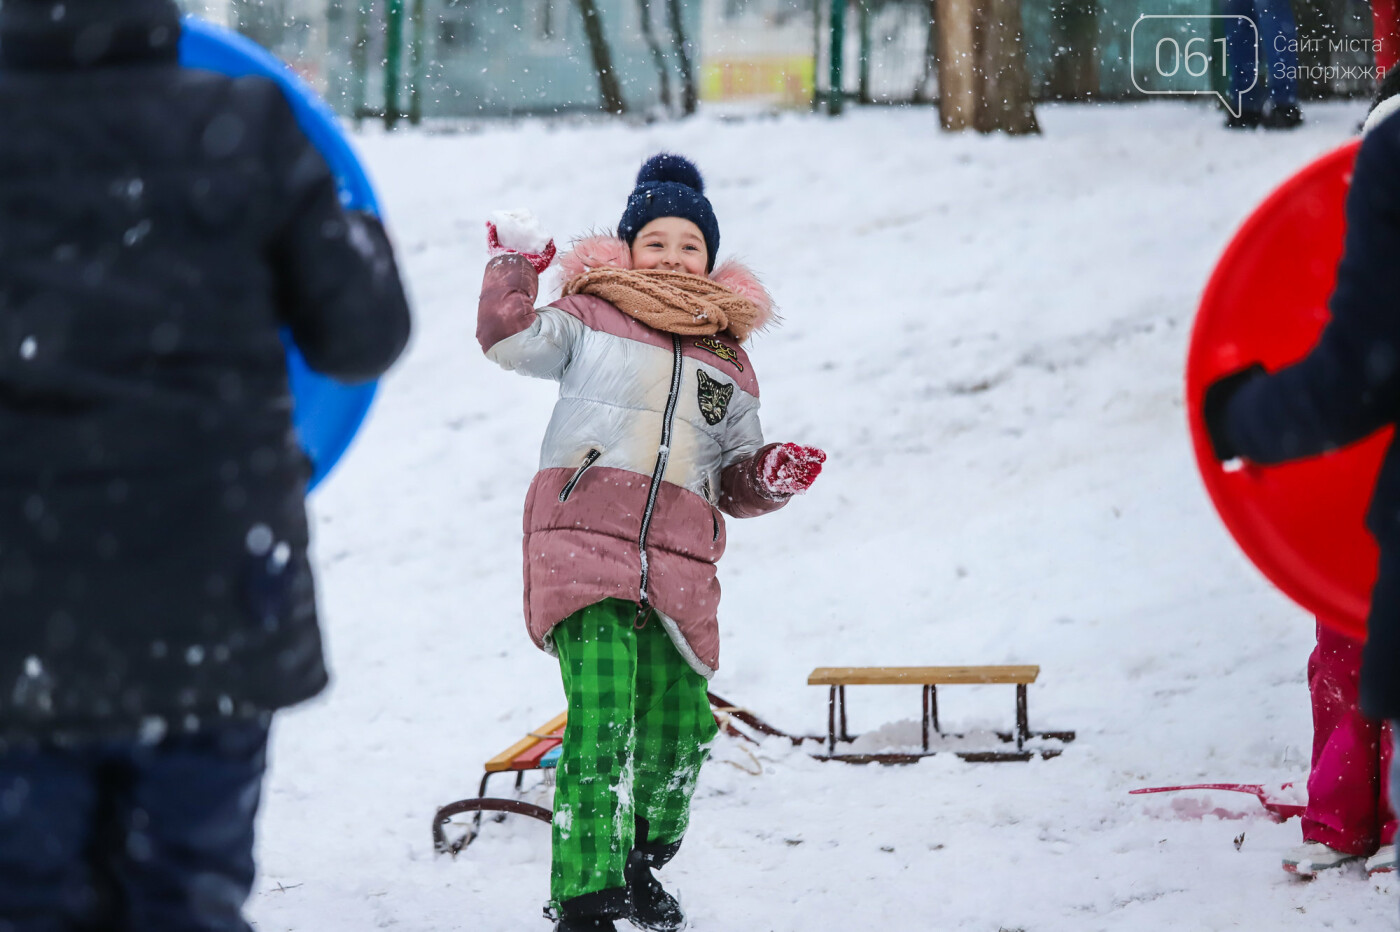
(518, 232)
(790, 469)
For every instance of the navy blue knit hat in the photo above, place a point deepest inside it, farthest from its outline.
(670, 186)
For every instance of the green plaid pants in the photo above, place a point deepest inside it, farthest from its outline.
(639, 729)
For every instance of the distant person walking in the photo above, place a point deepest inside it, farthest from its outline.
(1276, 53)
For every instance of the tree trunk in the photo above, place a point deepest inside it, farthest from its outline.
(1004, 99)
(416, 64)
(957, 58)
(1074, 65)
(863, 76)
(359, 62)
(689, 97)
(393, 61)
(983, 82)
(608, 88)
(930, 54)
(663, 71)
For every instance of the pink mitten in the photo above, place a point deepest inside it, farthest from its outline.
(789, 469)
(540, 260)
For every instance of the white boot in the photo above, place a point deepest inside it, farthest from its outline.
(1382, 862)
(1309, 858)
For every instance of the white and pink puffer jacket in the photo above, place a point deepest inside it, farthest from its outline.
(653, 436)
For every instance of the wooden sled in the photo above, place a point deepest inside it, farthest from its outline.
(539, 751)
(930, 678)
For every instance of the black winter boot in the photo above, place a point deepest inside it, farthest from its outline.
(652, 907)
(1248, 119)
(1286, 117)
(593, 912)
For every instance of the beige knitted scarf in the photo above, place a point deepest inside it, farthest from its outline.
(674, 302)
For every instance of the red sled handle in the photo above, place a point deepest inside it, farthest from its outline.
(1281, 812)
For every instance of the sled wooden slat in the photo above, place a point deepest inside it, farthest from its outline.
(930, 678)
(531, 758)
(506, 760)
(923, 676)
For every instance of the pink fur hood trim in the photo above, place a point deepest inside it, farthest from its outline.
(601, 251)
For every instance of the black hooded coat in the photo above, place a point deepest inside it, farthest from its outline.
(160, 228)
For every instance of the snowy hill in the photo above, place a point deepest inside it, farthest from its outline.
(988, 337)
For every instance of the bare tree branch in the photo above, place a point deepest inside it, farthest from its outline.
(608, 87)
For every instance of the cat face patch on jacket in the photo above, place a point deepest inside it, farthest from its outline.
(714, 398)
(723, 351)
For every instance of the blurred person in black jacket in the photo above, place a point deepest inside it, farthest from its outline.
(159, 228)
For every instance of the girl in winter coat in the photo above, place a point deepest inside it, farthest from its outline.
(654, 438)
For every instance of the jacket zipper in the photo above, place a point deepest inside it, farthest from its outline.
(714, 512)
(588, 460)
(663, 454)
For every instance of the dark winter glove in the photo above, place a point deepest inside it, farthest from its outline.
(788, 469)
(540, 260)
(1217, 404)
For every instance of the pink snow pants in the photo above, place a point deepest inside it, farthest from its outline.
(1348, 789)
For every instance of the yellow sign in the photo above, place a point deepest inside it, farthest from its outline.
(789, 80)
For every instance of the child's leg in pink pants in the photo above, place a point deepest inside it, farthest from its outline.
(1348, 806)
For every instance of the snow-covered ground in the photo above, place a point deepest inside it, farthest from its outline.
(988, 336)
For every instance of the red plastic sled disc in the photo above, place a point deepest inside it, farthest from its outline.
(1301, 523)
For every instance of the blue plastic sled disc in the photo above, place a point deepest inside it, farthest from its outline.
(327, 414)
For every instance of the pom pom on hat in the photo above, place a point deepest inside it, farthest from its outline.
(664, 167)
(670, 185)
